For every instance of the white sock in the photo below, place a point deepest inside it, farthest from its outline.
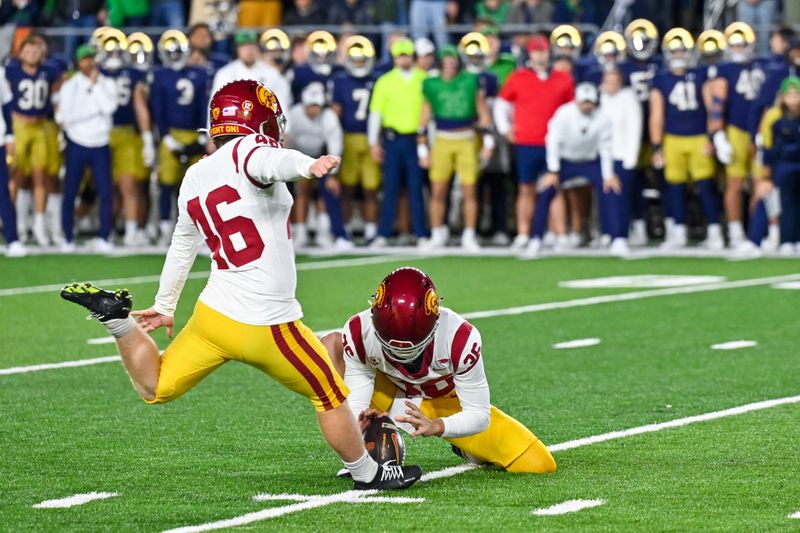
(370, 230)
(23, 206)
(468, 233)
(165, 226)
(714, 231)
(735, 230)
(639, 227)
(323, 223)
(54, 211)
(131, 227)
(38, 220)
(119, 327)
(363, 469)
(300, 230)
(774, 232)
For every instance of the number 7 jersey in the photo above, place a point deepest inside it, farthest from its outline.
(236, 200)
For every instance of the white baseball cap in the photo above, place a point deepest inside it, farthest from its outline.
(313, 94)
(586, 92)
(423, 47)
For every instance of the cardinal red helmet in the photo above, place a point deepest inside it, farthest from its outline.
(405, 313)
(243, 107)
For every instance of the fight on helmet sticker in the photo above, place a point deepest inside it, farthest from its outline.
(219, 130)
(431, 302)
(266, 98)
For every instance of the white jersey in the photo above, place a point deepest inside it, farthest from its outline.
(451, 363)
(260, 72)
(236, 200)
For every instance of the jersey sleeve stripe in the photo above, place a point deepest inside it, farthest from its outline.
(247, 174)
(295, 361)
(319, 360)
(459, 342)
(357, 338)
(235, 154)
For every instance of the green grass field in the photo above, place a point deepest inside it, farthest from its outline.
(67, 431)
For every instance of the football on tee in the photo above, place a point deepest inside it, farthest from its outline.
(384, 441)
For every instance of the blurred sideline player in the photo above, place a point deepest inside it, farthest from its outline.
(178, 102)
(526, 103)
(351, 91)
(127, 162)
(678, 130)
(641, 67)
(140, 57)
(14, 248)
(32, 85)
(248, 311)
(422, 364)
(456, 101)
(276, 49)
(736, 86)
(249, 66)
(320, 65)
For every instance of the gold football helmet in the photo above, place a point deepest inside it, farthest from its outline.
(321, 52)
(359, 59)
(474, 51)
(741, 41)
(641, 35)
(276, 43)
(609, 48)
(678, 49)
(566, 42)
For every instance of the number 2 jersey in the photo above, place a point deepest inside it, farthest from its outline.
(451, 363)
(237, 200)
(684, 110)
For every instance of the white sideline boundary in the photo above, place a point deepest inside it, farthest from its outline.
(314, 265)
(347, 496)
(569, 506)
(76, 499)
(535, 308)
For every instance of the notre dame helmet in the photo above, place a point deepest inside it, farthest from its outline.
(276, 43)
(140, 51)
(711, 46)
(359, 59)
(566, 42)
(474, 51)
(112, 46)
(321, 52)
(678, 49)
(609, 48)
(173, 49)
(642, 38)
(741, 41)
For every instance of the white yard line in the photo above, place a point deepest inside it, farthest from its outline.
(102, 340)
(455, 470)
(794, 515)
(72, 501)
(521, 310)
(577, 343)
(629, 296)
(54, 366)
(733, 345)
(315, 265)
(305, 498)
(569, 506)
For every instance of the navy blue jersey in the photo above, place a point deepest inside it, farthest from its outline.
(352, 95)
(639, 77)
(587, 69)
(768, 92)
(125, 79)
(302, 76)
(744, 84)
(179, 99)
(684, 109)
(488, 83)
(56, 63)
(31, 92)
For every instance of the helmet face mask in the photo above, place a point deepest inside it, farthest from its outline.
(405, 314)
(566, 42)
(111, 45)
(173, 49)
(276, 44)
(678, 49)
(711, 46)
(359, 59)
(474, 51)
(741, 42)
(609, 48)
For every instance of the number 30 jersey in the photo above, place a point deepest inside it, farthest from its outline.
(32, 92)
(684, 110)
(237, 201)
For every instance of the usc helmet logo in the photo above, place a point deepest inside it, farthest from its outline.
(431, 302)
(267, 98)
(380, 296)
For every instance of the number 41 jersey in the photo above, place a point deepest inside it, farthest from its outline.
(236, 200)
(455, 351)
(684, 110)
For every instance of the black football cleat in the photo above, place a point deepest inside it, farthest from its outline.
(102, 305)
(391, 477)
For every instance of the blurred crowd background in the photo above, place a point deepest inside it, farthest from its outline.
(489, 123)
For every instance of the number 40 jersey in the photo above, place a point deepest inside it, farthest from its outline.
(236, 200)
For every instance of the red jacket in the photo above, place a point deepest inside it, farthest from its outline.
(535, 101)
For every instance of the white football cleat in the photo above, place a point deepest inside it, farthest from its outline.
(378, 243)
(343, 245)
(67, 247)
(676, 238)
(531, 251)
(16, 249)
(619, 247)
(102, 246)
(638, 234)
(561, 244)
(520, 242)
(747, 249)
(786, 249)
(469, 243)
(500, 239)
